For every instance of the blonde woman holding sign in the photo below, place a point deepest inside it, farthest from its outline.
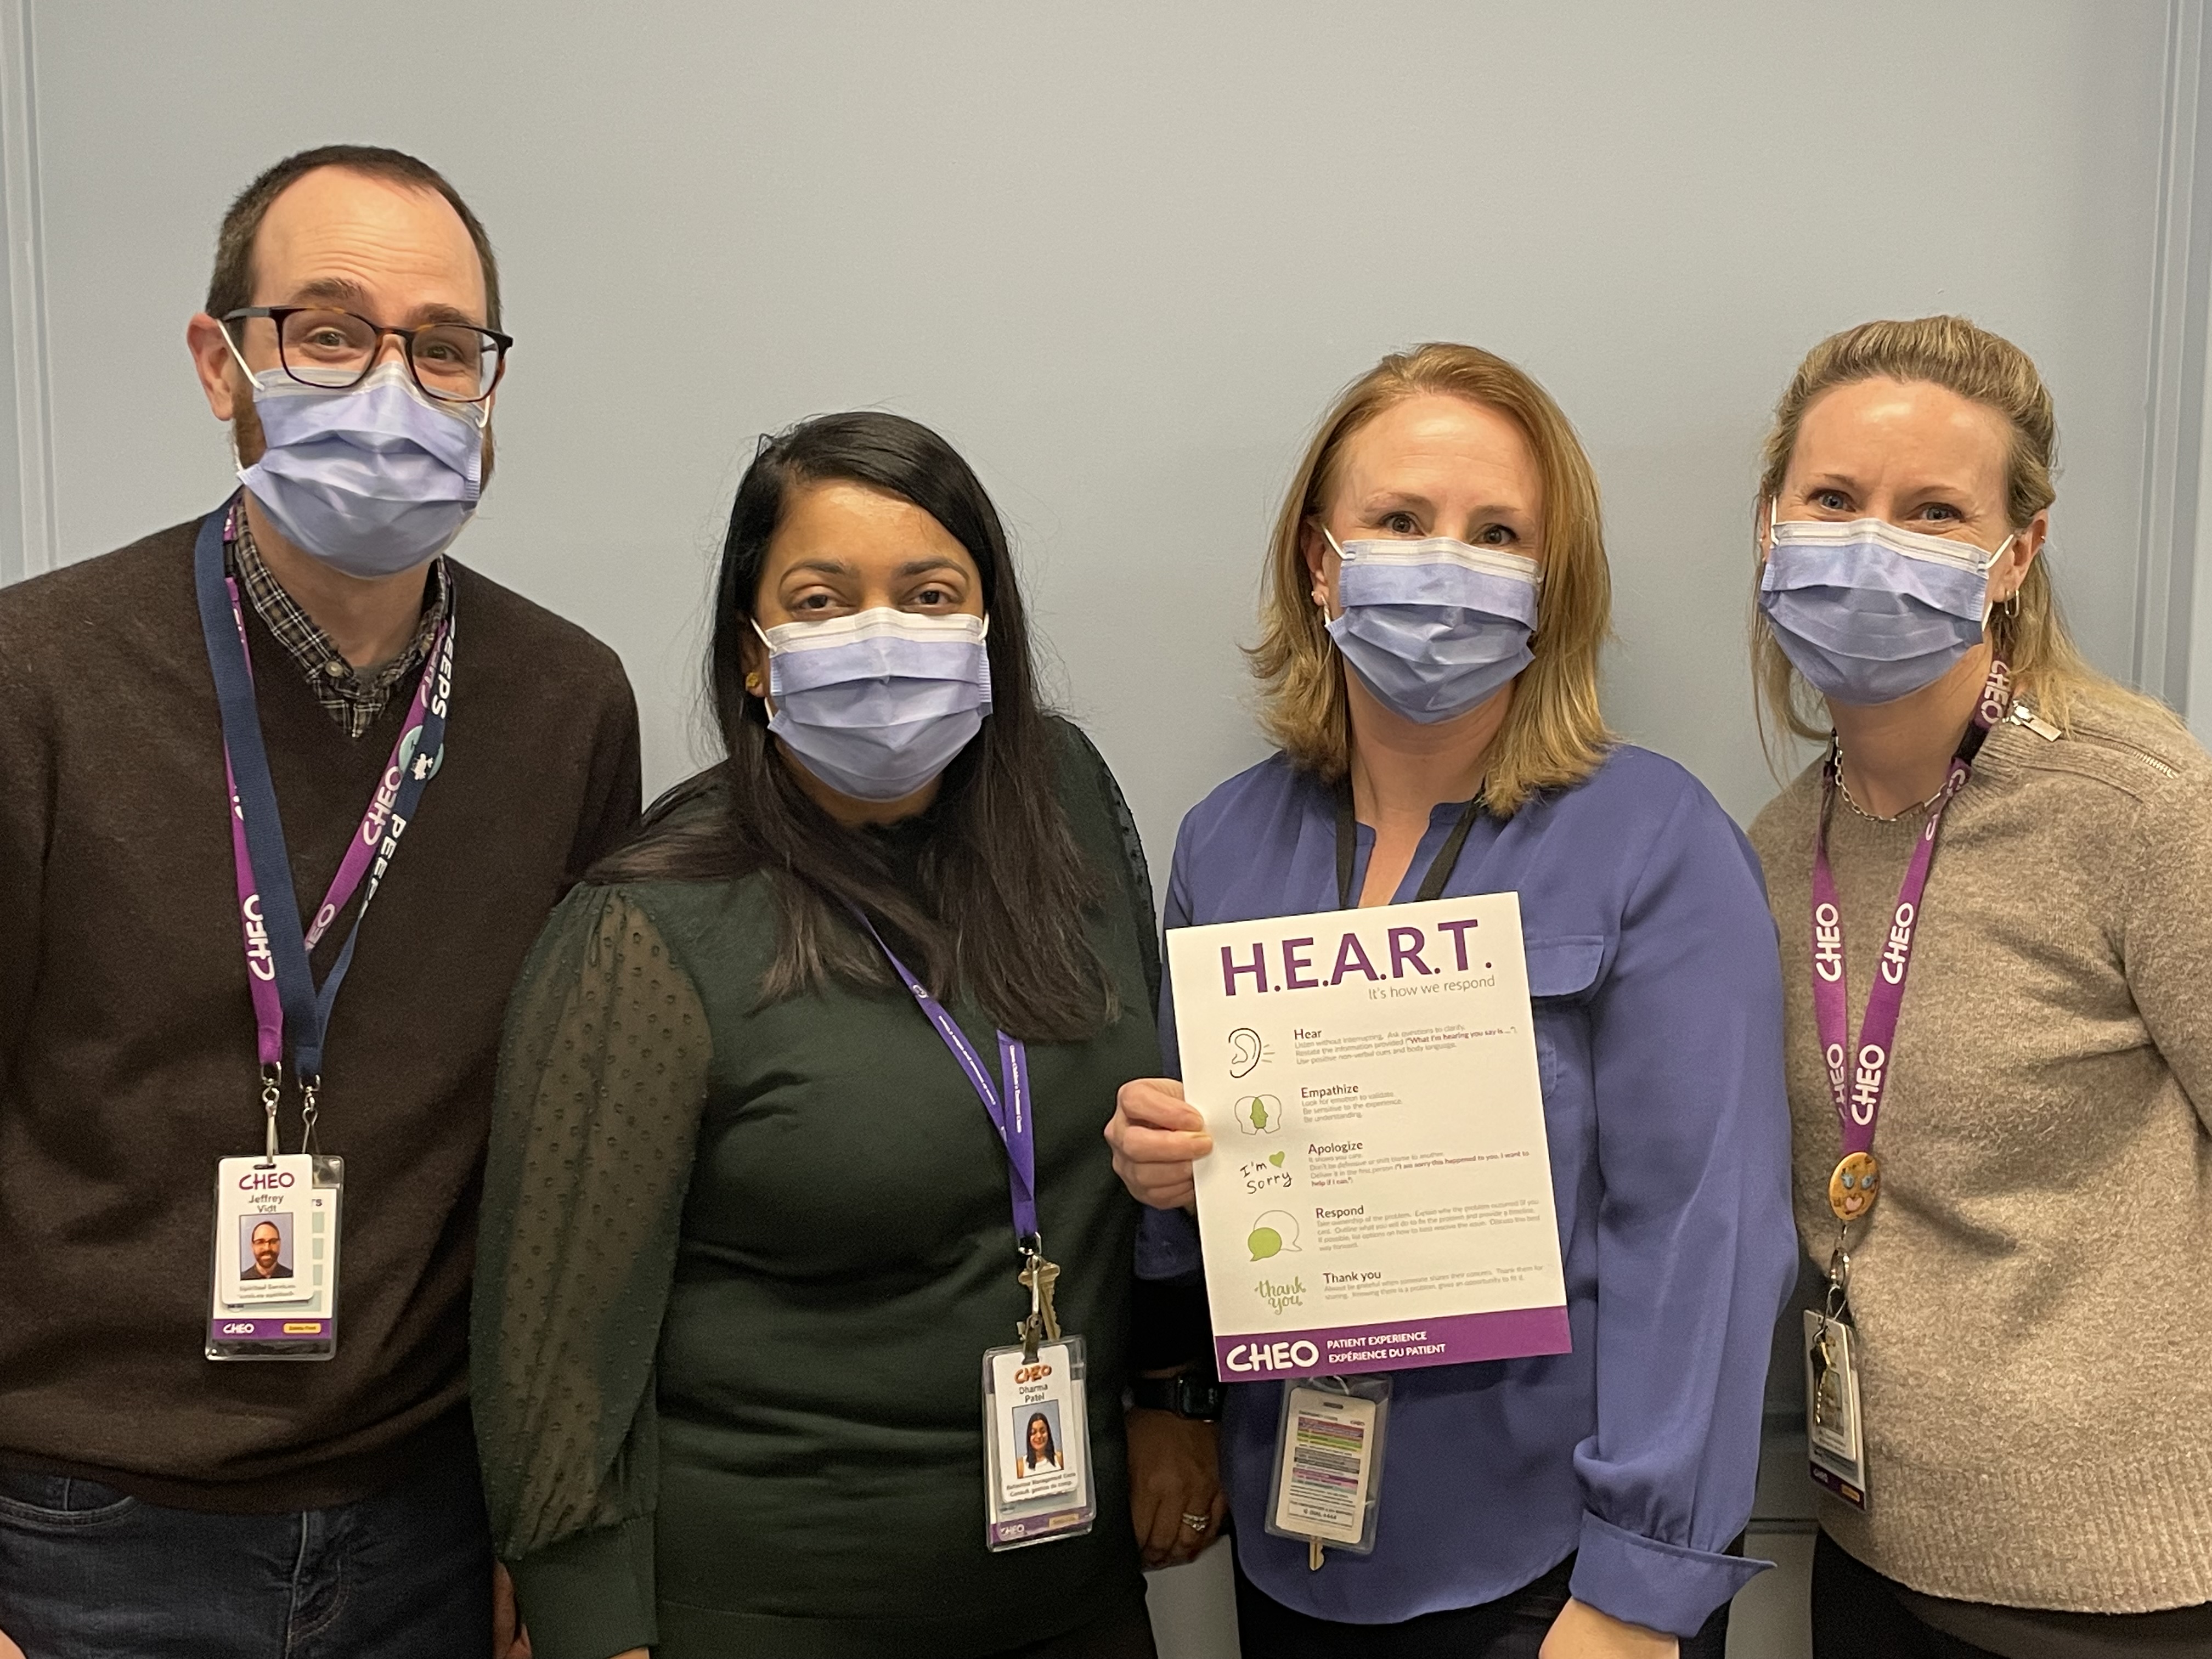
(1437, 593)
(1992, 891)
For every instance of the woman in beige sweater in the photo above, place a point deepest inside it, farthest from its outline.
(2019, 867)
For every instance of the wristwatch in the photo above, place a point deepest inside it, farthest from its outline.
(1188, 1395)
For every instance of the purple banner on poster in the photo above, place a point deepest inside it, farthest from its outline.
(1455, 1340)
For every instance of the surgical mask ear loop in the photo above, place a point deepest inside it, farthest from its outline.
(1990, 606)
(759, 684)
(1321, 586)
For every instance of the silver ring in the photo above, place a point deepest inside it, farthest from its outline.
(1196, 1523)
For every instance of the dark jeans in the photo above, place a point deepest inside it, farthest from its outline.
(87, 1573)
(1512, 1627)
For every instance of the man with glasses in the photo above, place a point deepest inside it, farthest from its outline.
(217, 747)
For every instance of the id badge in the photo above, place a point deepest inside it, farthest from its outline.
(1036, 1441)
(275, 1277)
(1835, 1432)
(1328, 1485)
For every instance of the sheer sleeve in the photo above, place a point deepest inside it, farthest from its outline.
(1135, 875)
(601, 1077)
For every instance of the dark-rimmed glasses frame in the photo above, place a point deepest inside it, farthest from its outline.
(501, 344)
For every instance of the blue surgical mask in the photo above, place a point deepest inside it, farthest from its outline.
(1433, 628)
(878, 703)
(1869, 612)
(371, 480)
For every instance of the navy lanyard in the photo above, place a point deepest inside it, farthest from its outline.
(1440, 867)
(286, 1001)
(1009, 1107)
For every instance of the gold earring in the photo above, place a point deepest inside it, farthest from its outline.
(753, 683)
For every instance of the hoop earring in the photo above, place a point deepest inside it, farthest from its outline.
(2011, 606)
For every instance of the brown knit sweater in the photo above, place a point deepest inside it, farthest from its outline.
(127, 1063)
(2034, 1292)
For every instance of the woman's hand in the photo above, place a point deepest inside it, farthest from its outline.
(1583, 1633)
(1175, 1470)
(1155, 1135)
(8, 1648)
(509, 1640)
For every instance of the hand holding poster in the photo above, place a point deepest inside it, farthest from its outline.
(1380, 1191)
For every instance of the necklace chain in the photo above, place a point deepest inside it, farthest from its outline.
(1845, 789)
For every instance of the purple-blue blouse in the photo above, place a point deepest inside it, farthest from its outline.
(1653, 965)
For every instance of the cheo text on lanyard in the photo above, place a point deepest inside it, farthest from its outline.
(1858, 1078)
(288, 1005)
(1007, 1103)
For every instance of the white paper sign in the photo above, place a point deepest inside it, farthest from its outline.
(1380, 1191)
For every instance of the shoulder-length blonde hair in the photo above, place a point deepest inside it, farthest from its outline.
(1553, 735)
(2049, 671)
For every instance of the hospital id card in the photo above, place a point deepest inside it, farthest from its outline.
(1036, 1440)
(275, 1273)
(1329, 1458)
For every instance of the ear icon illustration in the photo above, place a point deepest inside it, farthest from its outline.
(1244, 1050)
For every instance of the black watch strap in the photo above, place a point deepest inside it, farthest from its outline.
(1186, 1396)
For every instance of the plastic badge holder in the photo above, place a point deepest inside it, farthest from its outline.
(1326, 1490)
(305, 1327)
(1051, 1382)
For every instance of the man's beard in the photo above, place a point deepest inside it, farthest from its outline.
(248, 438)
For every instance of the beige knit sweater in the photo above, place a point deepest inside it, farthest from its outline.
(2034, 1291)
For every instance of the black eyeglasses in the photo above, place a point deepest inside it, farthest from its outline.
(455, 363)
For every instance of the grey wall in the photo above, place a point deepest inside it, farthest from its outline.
(1123, 256)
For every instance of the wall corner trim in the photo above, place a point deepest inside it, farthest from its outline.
(35, 537)
(2177, 479)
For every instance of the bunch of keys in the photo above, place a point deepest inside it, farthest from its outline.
(1828, 1359)
(1828, 1385)
(1038, 1278)
(1835, 1436)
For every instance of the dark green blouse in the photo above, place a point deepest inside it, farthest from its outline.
(740, 1264)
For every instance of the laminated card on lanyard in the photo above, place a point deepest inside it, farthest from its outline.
(1037, 1428)
(1857, 1080)
(274, 1269)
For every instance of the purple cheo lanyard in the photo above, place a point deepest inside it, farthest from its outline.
(1009, 1110)
(1857, 1080)
(367, 852)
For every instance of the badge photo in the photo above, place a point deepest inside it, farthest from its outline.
(265, 1255)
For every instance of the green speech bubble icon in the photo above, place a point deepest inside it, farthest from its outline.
(1273, 1232)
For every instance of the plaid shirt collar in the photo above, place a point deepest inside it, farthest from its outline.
(351, 698)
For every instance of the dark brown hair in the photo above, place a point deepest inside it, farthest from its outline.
(231, 286)
(997, 898)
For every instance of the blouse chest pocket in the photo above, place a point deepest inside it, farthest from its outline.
(1562, 970)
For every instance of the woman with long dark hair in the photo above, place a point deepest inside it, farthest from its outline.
(1041, 1453)
(749, 1222)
